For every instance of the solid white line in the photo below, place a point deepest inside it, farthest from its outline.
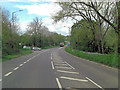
(67, 72)
(63, 67)
(21, 64)
(74, 79)
(59, 85)
(0, 80)
(8, 74)
(16, 68)
(69, 65)
(52, 65)
(94, 83)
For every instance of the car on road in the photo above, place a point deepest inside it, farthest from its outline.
(62, 44)
(36, 49)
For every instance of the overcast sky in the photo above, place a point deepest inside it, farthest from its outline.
(37, 8)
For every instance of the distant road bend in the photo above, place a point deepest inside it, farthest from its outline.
(55, 68)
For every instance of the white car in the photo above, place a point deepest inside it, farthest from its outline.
(36, 49)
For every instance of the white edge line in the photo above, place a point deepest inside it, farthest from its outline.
(94, 83)
(69, 78)
(70, 65)
(58, 82)
(8, 74)
(16, 68)
(52, 65)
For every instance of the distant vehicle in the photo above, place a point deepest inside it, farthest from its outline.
(36, 49)
(26, 47)
(62, 44)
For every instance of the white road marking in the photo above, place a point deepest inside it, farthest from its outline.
(8, 74)
(68, 72)
(16, 68)
(69, 65)
(74, 79)
(25, 62)
(51, 55)
(59, 85)
(63, 67)
(28, 59)
(94, 83)
(0, 80)
(61, 64)
(52, 65)
(21, 64)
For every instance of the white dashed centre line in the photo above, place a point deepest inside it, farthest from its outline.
(0, 80)
(59, 85)
(51, 55)
(94, 83)
(25, 62)
(8, 74)
(16, 68)
(68, 72)
(21, 64)
(69, 78)
(52, 65)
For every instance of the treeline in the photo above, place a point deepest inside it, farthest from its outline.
(96, 28)
(37, 35)
(82, 38)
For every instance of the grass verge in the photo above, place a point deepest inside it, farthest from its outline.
(15, 55)
(48, 47)
(107, 59)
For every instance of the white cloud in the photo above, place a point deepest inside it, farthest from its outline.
(60, 27)
(45, 9)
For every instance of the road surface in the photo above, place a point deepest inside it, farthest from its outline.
(55, 68)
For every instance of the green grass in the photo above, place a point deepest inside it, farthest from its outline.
(16, 54)
(107, 59)
(48, 47)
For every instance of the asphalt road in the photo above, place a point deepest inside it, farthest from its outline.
(54, 68)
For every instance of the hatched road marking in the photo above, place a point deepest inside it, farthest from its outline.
(63, 67)
(69, 65)
(8, 74)
(59, 85)
(68, 72)
(61, 64)
(74, 79)
(94, 83)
